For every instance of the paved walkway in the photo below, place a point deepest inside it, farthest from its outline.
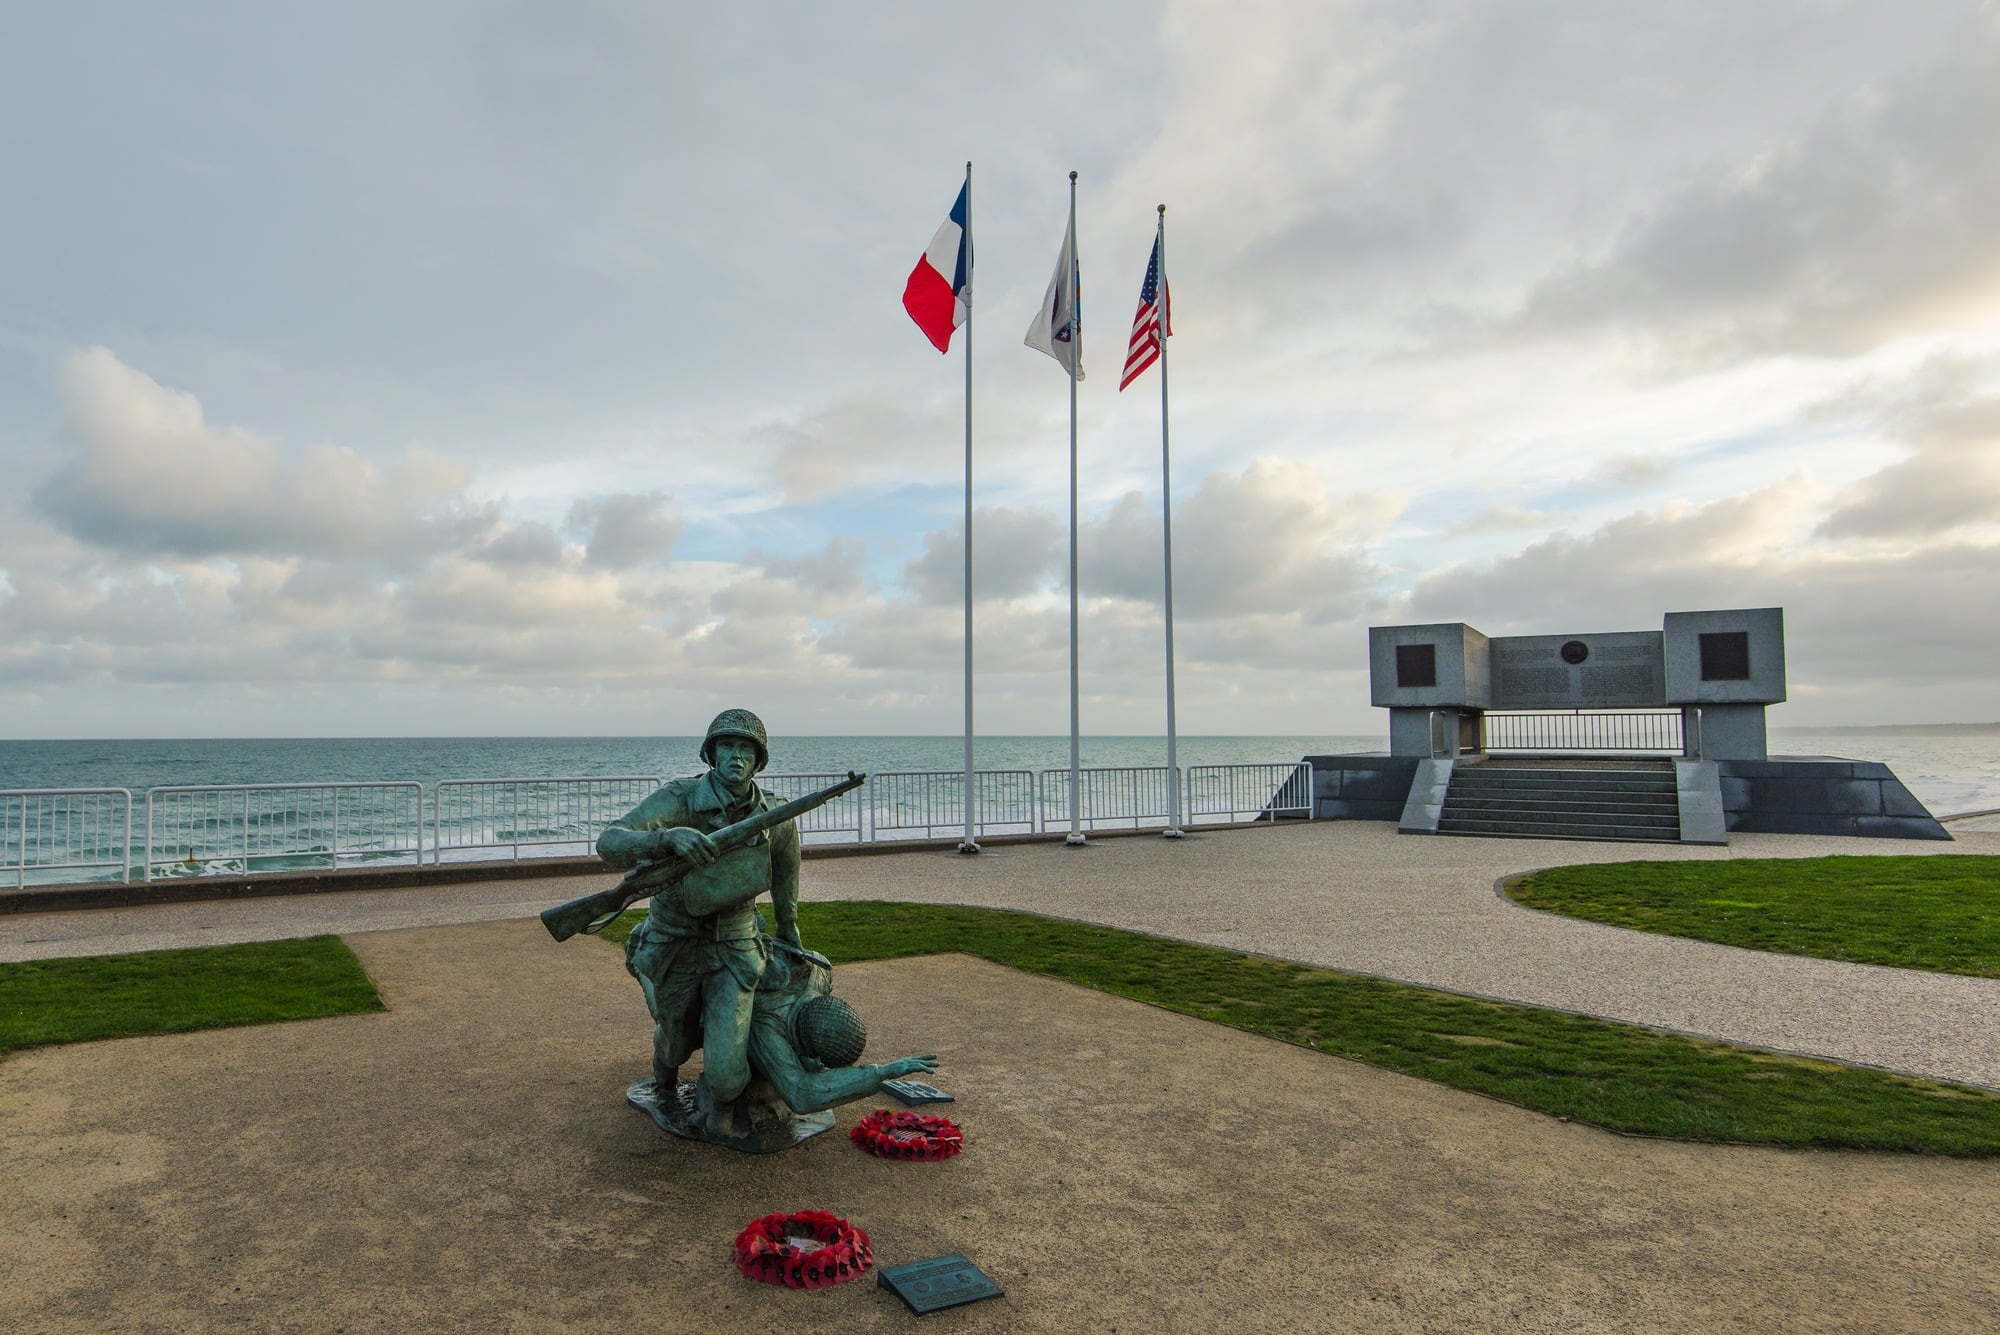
(1351, 895)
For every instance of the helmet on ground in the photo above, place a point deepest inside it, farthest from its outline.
(737, 723)
(826, 1030)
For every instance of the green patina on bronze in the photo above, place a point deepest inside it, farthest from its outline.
(777, 1047)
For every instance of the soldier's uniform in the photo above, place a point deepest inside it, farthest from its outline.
(699, 971)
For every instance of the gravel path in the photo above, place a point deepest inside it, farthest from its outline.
(1350, 895)
(1357, 895)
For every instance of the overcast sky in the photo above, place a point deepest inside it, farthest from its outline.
(523, 368)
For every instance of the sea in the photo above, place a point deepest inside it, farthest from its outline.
(1951, 768)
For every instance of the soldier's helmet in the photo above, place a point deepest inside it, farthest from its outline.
(737, 723)
(827, 1030)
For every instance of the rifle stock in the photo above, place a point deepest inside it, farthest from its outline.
(583, 915)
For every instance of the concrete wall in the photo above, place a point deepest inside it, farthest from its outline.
(1732, 732)
(1464, 676)
(1617, 670)
(1765, 628)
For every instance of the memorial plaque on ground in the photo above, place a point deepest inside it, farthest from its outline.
(916, 1092)
(941, 1282)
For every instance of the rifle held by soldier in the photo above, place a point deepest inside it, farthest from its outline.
(594, 912)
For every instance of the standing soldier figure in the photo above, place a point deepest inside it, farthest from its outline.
(701, 950)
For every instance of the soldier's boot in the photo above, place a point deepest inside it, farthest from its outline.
(666, 1073)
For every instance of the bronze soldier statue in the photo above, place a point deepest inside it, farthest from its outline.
(701, 950)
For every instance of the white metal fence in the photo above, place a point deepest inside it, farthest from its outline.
(840, 821)
(1134, 796)
(1261, 792)
(227, 828)
(486, 818)
(48, 831)
(923, 804)
(49, 834)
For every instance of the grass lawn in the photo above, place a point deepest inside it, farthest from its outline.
(1619, 1077)
(176, 991)
(1937, 913)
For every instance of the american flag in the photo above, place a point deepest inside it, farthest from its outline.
(1153, 323)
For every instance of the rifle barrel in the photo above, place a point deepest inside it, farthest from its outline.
(566, 920)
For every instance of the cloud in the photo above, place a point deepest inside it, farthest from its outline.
(1951, 479)
(866, 436)
(834, 573)
(626, 530)
(1015, 553)
(146, 473)
(1918, 614)
(1631, 470)
(1630, 569)
(1417, 248)
(1877, 218)
(528, 544)
(1270, 538)
(1497, 519)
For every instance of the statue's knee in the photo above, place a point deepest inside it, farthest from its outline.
(728, 1076)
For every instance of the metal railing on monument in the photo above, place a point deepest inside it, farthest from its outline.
(1585, 730)
(51, 835)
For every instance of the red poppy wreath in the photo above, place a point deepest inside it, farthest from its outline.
(807, 1249)
(907, 1135)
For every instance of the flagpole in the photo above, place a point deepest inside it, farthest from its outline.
(1075, 360)
(1173, 830)
(967, 844)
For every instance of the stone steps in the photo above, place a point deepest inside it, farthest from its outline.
(1639, 804)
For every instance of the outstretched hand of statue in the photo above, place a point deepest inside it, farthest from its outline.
(903, 1066)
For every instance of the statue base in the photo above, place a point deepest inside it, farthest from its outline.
(768, 1121)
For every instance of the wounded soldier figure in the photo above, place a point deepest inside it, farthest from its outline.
(805, 1040)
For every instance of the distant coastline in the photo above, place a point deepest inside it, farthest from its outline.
(1860, 729)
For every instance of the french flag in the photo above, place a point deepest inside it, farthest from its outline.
(939, 293)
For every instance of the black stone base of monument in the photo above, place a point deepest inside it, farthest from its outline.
(941, 1282)
(1822, 795)
(768, 1124)
(915, 1093)
(1361, 787)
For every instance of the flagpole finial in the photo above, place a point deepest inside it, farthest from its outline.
(1163, 210)
(1072, 176)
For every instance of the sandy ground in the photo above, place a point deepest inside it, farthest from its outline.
(466, 1162)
